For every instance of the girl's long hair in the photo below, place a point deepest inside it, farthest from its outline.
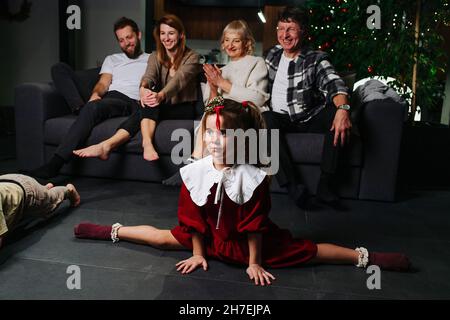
(174, 22)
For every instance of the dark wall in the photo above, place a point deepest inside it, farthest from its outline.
(29, 47)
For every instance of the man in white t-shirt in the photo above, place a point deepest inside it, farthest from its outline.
(307, 95)
(115, 94)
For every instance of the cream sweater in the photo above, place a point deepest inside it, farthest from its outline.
(248, 76)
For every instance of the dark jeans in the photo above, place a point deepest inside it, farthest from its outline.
(113, 104)
(181, 111)
(321, 123)
(75, 87)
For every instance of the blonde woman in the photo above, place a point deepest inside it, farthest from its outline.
(244, 78)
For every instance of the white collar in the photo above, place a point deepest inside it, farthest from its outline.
(239, 181)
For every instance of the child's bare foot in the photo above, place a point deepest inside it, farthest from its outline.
(49, 185)
(73, 196)
(150, 153)
(100, 150)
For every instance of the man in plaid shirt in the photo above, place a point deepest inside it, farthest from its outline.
(306, 96)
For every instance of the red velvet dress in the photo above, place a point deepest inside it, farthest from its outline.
(229, 242)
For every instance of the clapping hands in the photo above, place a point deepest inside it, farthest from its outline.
(213, 75)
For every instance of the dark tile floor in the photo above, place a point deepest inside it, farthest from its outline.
(34, 263)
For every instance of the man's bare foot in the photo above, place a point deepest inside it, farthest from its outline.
(100, 150)
(150, 153)
(49, 185)
(73, 195)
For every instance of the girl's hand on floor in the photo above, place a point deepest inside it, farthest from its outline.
(189, 265)
(259, 275)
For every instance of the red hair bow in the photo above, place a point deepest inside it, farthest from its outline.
(217, 110)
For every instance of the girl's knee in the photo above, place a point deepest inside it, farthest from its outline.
(163, 239)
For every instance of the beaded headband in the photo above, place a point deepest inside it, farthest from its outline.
(219, 101)
(215, 102)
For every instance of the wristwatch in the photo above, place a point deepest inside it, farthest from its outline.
(344, 107)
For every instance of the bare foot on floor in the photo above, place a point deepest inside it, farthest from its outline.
(49, 185)
(73, 196)
(150, 153)
(99, 150)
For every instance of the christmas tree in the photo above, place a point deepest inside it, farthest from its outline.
(385, 45)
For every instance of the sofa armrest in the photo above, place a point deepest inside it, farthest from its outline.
(381, 126)
(34, 104)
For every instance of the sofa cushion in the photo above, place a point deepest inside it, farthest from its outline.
(55, 129)
(309, 146)
(309, 143)
(166, 128)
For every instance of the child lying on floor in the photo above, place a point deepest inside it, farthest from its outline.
(223, 212)
(22, 196)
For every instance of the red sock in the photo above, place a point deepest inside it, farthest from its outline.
(88, 230)
(390, 261)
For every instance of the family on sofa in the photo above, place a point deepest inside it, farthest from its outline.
(294, 90)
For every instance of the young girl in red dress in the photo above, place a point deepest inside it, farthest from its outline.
(223, 212)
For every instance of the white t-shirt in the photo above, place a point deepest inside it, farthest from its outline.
(280, 86)
(126, 73)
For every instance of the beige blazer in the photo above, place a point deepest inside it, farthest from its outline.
(183, 86)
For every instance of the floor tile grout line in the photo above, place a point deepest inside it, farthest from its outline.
(108, 211)
(78, 264)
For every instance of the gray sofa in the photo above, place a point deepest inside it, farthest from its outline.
(369, 168)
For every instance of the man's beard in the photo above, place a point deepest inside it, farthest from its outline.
(136, 53)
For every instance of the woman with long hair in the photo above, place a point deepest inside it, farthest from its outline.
(168, 90)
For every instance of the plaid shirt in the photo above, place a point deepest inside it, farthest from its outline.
(313, 82)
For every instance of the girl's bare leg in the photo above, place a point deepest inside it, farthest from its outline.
(149, 235)
(148, 131)
(103, 149)
(333, 254)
